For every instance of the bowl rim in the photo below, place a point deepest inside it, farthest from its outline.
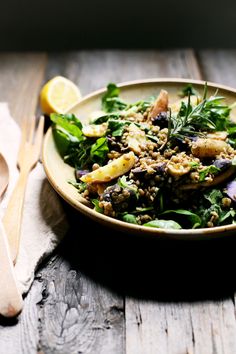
(122, 225)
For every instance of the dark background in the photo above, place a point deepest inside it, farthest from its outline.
(75, 24)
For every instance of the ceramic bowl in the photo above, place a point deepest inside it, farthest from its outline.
(59, 173)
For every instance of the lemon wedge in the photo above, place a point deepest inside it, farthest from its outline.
(58, 95)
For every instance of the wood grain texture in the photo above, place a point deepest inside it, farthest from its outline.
(104, 292)
(186, 327)
(20, 81)
(91, 70)
(21, 76)
(28, 156)
(11, 302)
(22, 335)
(78, 316)
(218, 66)
(180, 328)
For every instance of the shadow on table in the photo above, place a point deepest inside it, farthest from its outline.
(152, 269)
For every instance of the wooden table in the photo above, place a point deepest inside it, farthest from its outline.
(105, 292)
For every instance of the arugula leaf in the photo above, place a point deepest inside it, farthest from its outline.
(70, 118)
(192, 217)
(112, 91)
(105, 118)
(62, 140)
(231, 130)
(79, 156)
(142, 105)
(194, 165)
(84, 153)
(130, 218)
(213, 196)
(67, 134)
(206, 214)
(81, 186)
(208, 170)
(99, 150)
(110, 100)
(116, 126)
(112, 103)
(163, 224)
(96, 206)
(232, 142)
(69, 123)
(217, 112)
(210, 205)
(227, 214)
(188, 90)
(66, 131)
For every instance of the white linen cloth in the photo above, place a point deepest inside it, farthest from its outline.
(44, 221)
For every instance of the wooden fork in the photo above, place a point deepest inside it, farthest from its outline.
(28, 156)
(11, 301)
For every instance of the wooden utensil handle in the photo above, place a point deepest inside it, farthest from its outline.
(12, 219)
(11, 302)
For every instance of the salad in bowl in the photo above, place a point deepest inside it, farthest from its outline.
(155, 162)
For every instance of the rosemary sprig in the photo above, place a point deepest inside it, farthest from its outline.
(209, 115)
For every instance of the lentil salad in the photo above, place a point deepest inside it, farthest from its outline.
(154, 162)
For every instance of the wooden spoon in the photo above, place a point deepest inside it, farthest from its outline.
(4, 175)
(11, 301)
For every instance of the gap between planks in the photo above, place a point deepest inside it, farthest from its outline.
(154, 327)
(101, 64)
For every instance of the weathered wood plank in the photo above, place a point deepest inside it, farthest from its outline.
(218, 66)
(92, 70)
(186, 327)
(172, 328)
(76, 303)
(78, 316)
(20, 81)
(22, 335)
(21, 76)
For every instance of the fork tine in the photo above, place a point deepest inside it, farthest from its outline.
(27, 160)
(39, 136)
(24, 129)
(31, 129)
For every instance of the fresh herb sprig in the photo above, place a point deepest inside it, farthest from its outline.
(208, 115)
(76, 149)
(112, 103)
